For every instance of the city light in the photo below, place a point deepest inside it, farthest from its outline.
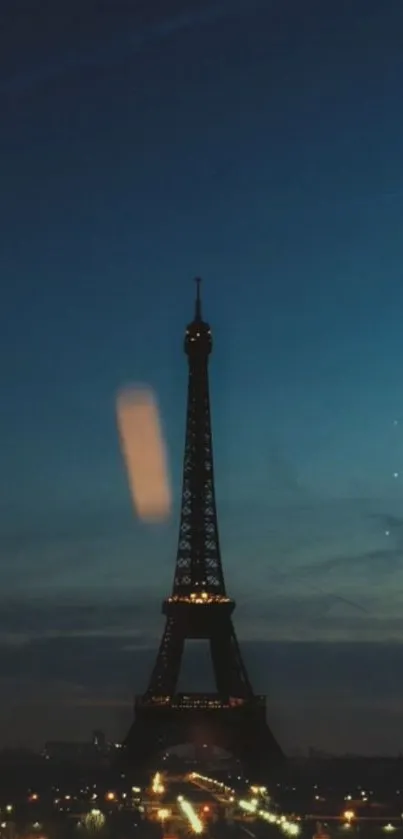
(203, 780)
(157, 786)
(259, 790)
(286, 826)
(201, 597)
(251, 806)
(94, 820)
(191, 815)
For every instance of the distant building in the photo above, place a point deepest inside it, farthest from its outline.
(99, 740)
(74, 751)
(59, 749)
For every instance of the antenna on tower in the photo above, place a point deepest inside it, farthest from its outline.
(198, 315)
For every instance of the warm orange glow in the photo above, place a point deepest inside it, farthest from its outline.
(110, 796)
(198, 597)
(349, 815)
(157, 786)
(144, 453)
(189, 813)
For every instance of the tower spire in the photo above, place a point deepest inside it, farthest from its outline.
(198, 314)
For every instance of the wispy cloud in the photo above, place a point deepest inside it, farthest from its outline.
(384, 561)
(133, 619)
(336, 696)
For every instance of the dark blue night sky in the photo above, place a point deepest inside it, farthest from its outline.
(258, 145)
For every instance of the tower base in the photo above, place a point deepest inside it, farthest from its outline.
(235, 725)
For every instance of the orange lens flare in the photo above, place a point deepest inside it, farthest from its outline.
(144, 453)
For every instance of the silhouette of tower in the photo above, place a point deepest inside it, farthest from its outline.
(199, 608)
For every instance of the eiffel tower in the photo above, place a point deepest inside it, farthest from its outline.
(233, 717)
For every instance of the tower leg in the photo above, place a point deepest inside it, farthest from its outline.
(165, 675)
(229, 670)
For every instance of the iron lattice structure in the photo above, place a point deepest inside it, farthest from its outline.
(199, 607)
